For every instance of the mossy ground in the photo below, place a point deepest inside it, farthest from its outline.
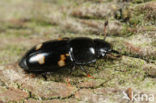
(131, 30)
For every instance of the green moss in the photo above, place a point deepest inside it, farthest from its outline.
(136, 19)
(125, 31)
(124, 72)
(143, 15)
(141, 1)
(153, 43)
(10, 54)
(112, 73)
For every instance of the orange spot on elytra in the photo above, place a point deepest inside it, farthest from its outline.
(67, 54)
(41, 60)
(63, 57)
(61, 63)
(59, 39)
(38, 46)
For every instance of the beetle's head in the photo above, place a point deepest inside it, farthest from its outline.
(102, 48)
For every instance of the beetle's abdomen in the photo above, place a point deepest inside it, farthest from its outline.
(48, 56)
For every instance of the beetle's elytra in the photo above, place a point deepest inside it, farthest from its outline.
(51, 56)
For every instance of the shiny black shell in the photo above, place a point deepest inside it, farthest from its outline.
(53, 55)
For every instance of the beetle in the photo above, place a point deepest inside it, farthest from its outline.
(51, 56)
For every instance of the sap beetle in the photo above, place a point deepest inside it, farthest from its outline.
(51, 56)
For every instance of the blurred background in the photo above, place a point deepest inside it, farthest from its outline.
(24, 23)
(131, 30)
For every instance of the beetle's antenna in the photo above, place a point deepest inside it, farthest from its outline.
(105, 26)
(118, 55)
(114, 51)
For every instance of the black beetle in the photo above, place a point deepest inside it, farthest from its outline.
(53, 55)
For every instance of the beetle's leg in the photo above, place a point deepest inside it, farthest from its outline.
(72, 69)
(109, 54)
(33, 75)
(113, 56)
(114, 51)
(68, 79)
(89, 65)
(44, 75)
(93, 66)
(84, 70)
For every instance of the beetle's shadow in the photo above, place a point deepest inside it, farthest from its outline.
(60, 75)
